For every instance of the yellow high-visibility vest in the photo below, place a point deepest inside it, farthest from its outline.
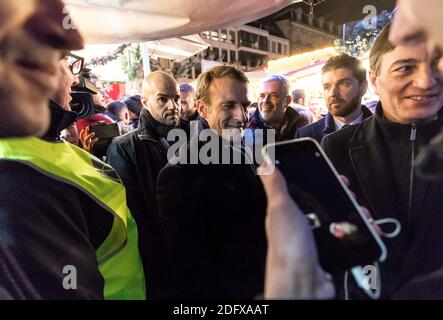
(118, 256)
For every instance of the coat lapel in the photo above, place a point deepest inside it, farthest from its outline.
(329, 126)
(366, 112)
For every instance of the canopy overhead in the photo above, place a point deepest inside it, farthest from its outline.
(123, 21)
(177, 49)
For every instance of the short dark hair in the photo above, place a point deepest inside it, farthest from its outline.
(348, 62)
(115, 107)
(298, 94)
(205, 80)
(284, 83)
(134, 103)
(381, 46)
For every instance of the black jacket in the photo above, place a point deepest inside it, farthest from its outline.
(324, 126)
(376, 156)
(214, 221)
(46, 225)
(138, 158)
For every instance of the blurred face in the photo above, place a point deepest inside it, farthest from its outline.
(163, 101)
(29, 65)
(273, 102)
(342, 91)
(188, 104)
(408, 84)
(66, 80)
(124, 115)
(98, 99)
(228, 105)
(14, 13)
(415, 22)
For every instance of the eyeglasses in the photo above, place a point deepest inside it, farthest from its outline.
(75, 63)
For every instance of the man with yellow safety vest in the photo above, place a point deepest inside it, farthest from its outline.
(64, 223)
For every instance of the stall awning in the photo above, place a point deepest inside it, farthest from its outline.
(177, 49)
(123, 21)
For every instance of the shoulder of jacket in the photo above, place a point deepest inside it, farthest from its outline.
(313, 126)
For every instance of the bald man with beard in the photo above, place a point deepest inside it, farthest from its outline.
(138, 158)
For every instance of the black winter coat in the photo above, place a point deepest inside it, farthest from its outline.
(376, 156)
(138, 158)
(214, 219)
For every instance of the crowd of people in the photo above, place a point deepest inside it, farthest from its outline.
(132, 224)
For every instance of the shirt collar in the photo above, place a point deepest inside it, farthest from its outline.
(339, 124)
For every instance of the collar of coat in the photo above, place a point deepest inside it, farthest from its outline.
(395, 132)
(151, 128)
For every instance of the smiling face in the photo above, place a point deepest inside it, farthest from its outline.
(29, 67)
(408, 84)
(227, 106)
(273, 103)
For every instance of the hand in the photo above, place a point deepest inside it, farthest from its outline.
(70, 134)
(292, 267)
(88, 139)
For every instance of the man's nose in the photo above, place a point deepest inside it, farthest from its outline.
(333, 91)
(76, 80)
(239, 114)
(426, 78)
(174, 105)
(52, 26)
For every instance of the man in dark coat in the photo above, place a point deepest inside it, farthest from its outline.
(344, 85)
(214, 213)
(138, 158)
(47, 222)
(378, 155)
(273, 111)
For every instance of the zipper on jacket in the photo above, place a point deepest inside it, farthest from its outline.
(411, 176)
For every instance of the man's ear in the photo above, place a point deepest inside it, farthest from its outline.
(202, 108)
(373, 79)
(145, 102)
(363, 88)
(288, 100)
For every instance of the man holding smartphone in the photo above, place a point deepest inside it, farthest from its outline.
(65, 226)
